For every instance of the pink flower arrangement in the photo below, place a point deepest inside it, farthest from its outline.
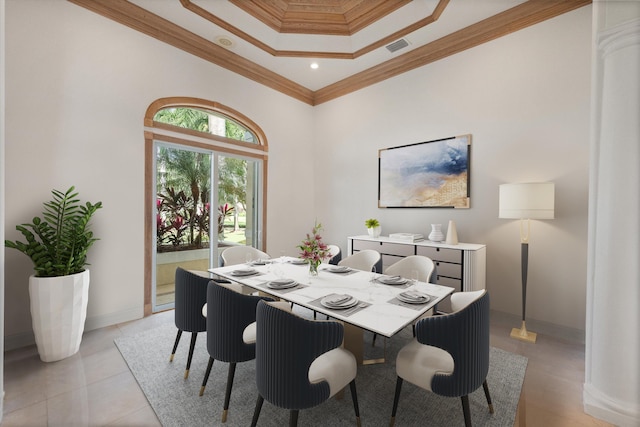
(312, 248)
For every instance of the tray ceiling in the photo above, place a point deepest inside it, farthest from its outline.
(355, 43)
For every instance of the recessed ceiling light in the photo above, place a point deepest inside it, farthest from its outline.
(314, 65)
(225, 41)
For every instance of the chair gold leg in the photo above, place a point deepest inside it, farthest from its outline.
(485, 386)
(175, 345)
(392, 421)
(186, 374)
(202, 390)
(224, 415)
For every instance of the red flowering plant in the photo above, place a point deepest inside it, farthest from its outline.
(313, 249)
(223, 212)
(181, 224)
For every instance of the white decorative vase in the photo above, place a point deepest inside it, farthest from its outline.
(58, 312)
(436, 233)
(374, 231)
(452, 234)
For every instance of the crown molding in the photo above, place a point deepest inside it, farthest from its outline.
(507, 22)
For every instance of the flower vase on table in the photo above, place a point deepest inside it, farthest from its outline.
(314, 250)
(313, 268)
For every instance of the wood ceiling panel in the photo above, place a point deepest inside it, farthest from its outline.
(330, 17)
(363, 14)
(442, 4)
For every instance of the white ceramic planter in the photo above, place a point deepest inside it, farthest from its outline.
(58, 312)
(374, 231)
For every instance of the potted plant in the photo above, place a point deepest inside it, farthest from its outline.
(57, 244)
(373, 227)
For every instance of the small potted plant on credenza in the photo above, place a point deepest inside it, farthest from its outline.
(373, 227)
(57, 244)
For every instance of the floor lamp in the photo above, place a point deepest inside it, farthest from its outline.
(525, 201)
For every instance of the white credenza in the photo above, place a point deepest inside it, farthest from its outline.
(461, 266)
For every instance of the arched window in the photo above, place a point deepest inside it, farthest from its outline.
(205, 185)
(207, 122)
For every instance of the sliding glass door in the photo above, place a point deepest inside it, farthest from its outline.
(206, 200)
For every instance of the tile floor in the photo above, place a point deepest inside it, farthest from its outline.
(95, 387)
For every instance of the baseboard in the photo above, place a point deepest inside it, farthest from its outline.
(600, 406)
(544, 328)
(97, 322)
(24, 339)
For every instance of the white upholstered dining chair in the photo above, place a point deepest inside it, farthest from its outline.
(238, 255)
(364, 260)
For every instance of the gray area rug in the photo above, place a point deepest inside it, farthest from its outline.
(176, 401)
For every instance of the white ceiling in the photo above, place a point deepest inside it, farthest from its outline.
(457, 15)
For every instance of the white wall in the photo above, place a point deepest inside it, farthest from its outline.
(2, 204)
(525, 99)
(78, 86)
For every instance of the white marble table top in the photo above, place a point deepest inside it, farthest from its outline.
(383, 314)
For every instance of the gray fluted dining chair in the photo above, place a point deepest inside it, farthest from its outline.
(336, 254)
(190, 296)
(300, 362)
(231, 332)
(450, 354)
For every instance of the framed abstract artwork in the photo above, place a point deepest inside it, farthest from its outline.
(431, 174)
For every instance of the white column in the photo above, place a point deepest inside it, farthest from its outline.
(612, 370)
(2, 180)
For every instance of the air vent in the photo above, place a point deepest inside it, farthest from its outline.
(397, 45)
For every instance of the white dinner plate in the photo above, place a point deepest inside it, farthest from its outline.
(392, 280)
(244, 272)
(298, 261)
(413, 297)
(339, 269)
(338, 302)
(282, 284)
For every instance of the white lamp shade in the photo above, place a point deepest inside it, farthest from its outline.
(531, 200)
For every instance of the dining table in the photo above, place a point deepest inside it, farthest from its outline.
(363, 301)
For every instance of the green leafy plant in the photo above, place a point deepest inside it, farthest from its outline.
(58, 243)
(371, 223)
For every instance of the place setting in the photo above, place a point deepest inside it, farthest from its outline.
(411, 298)
(345, 303)
(245, 272)
(393, 280)
(339, 269)
(260, 262)
(298, 261)
(283, 285)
